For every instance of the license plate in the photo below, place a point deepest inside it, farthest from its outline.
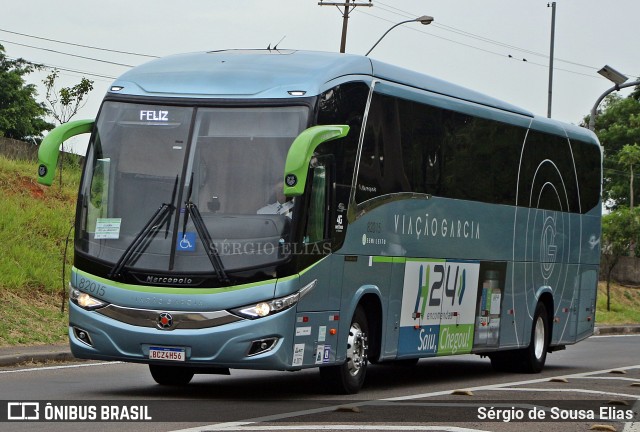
(167, 353)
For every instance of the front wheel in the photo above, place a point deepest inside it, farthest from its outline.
(348, 377)
(171, 375)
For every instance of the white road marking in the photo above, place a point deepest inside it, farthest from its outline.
(570, 390)
(47, 368)
(514, 383)
(633, 426)
(610, 378)
(614, 336)
(249, 424)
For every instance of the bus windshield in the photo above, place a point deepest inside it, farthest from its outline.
(187, 190)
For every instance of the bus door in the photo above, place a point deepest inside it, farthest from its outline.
(318, 313)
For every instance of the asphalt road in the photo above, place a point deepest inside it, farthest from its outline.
(458, 394)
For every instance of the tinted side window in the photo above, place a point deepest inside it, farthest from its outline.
(381, 169)
(547, 176)
(588, 162)
(344, 104)
(411, 147)
(480, 159)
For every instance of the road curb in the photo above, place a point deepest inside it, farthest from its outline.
(41, 357)
(617, 330)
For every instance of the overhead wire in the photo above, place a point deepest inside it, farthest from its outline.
(509, 56)
(407, 14)
(77, 44)
(76, 71)
(67, 54)
(381, 5)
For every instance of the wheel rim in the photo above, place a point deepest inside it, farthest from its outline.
(356, 349)
(539, 338)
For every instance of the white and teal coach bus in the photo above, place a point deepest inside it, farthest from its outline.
(286, 210)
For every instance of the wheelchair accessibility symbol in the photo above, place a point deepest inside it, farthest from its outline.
(186, 242)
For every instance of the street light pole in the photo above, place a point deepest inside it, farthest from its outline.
(553, 37)
(620, 81)
(424, 20)
(594, 110)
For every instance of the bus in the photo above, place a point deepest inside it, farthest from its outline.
(285, 210)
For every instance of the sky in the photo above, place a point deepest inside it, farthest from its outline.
(497, 47)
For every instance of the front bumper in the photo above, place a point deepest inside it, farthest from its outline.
(227, 345)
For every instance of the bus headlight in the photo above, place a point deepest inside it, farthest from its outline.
(270, 307)
(84, 300)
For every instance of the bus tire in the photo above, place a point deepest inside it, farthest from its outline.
(348, 377)
(534, 357)
(171, 375)
(504, 361)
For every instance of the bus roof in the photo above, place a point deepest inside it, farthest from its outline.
(273, 74)
(240, 74)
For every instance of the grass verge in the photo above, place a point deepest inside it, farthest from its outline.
(625, 305)
(34, 224)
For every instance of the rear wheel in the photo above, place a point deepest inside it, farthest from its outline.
(534, 357)
(171, 375)
(504, 361)
(348, 377)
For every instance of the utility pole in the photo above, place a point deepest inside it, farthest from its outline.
(349, 6)
(553, 36)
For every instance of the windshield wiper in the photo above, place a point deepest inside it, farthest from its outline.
(148, 232)
(209, 247)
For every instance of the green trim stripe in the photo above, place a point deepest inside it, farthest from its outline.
(307, 269)
(389, 259)
(426, 260)
(176, 290)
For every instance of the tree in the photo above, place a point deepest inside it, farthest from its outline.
(617, 124)
(620, 229)
(21, 116)
(65, 102)
(629, 156)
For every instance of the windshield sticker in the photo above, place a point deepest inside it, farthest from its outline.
(186, 242)
(107, 228)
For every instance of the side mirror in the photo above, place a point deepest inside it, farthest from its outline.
(50, 147)
(300, 153)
